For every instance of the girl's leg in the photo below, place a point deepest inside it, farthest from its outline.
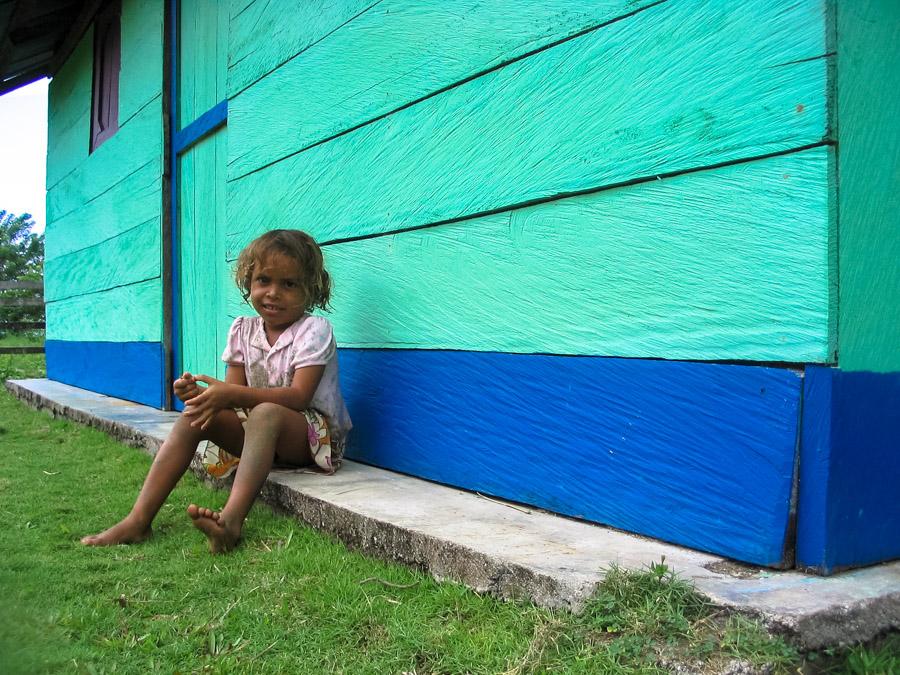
(271, 430)
(168, 467)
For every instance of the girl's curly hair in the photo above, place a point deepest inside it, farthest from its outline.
(295, 244)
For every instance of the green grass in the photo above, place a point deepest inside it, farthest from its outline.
(19, 366)
(291, 600)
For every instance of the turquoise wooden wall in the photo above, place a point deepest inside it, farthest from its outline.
(503, 186)
(641, 195)
(594, 176)
(103, 283)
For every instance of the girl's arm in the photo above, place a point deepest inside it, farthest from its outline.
(234, 393)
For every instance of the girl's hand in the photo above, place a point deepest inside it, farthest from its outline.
(185, 387)
(204, 406)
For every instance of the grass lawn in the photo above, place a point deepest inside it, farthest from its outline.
(291, 600)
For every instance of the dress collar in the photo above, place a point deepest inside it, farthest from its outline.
(258, 335)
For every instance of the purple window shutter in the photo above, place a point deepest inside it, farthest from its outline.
(107, 59)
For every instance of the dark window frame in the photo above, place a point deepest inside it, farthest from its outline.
(107, 64)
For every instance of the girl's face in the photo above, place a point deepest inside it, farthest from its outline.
(276, 292)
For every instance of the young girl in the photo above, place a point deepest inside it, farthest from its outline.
(280, 400)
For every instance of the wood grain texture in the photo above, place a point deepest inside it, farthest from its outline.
(396, 52)
(127, 258)
(666, 449)
(130, 313)
(138, 142)
(848, 511)
(140, 79)
(203, 271)
(675, 87)
(69, 112)
(730, 263)
(130, 202)
(264, 34)
(128, 370)
(203, 58)
(868, 66)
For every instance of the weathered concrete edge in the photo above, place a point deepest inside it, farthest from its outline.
(859, 621)
(841, 626)
(441, 558)
(118, 430)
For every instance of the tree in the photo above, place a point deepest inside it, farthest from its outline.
(21, 250)
(21, 259)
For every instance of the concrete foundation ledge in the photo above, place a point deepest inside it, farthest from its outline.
(509, 550)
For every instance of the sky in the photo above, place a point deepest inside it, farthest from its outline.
(23, 151)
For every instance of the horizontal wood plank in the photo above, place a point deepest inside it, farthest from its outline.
(288, 26)
(396, 52)
(123, 314)
(128, 370)
(129, 203)
(69, 112)
(136, 143)
(22, 325)
(676, 87)
(21, 350)
(730, 263)
(666, 449)
(6, 301)
(140, 78)
(21, 285)
(127, 258)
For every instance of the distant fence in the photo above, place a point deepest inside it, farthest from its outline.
(35, 299)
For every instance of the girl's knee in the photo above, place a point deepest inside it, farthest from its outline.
(266, 414)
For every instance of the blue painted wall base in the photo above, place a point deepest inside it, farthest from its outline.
(128, 370)
(694, 453)
(849, 506)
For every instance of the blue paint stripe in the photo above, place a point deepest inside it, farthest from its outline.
(128, 370)
(694, 453)
(849, 511)
(204, 125)
(175, 305)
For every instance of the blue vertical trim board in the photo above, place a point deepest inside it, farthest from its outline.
(174, 21)
(849, 503)
(97, 366)
(668, 449)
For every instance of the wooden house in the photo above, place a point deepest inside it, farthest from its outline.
(632, 261)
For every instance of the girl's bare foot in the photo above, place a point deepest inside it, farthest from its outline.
(221, 537)
(123, 532)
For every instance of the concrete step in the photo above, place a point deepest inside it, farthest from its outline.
(510, 550)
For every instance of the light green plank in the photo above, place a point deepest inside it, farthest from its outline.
(202, 62)
(128, 258)
(868, 71)
(124, 314)
(202, 262)
(132, 147)
(187, 61)
(201, 184)
(678, 86)
(69, 112)
(140, 81)
(729, 263)
(140, 78)
(267, 33)
(133, 201)
(395, 53)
